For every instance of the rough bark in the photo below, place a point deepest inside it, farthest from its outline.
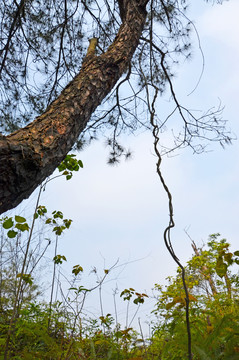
(31, 154)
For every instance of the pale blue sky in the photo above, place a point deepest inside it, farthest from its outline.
(121, 212)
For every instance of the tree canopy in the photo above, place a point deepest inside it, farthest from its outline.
(47, 74)
(212, 280)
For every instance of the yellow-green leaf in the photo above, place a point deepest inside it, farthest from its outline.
(8, 223)
(20, 219)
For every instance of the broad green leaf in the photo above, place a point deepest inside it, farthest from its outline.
(221, 269)
(67, 223)
(80, 163)
(58, 229)
(61, 167)
(236, 253)
(11, 234)
(8, 223)
(77, 269)
(41, 210)
(57, 214)
(70, 164)
(20, 219)
(58, 259)
(22, 227)
(138, 300)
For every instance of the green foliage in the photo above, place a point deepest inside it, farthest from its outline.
(26, 277)
(128, 293)
(33, 339)
(77, 269)
(19, 224)
(58, 228)
(11, 234)
(60, 330)
(214, 306)
(68, 165)
(41, 211)
(58, 259)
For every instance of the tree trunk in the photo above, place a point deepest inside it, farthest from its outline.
(31, 154)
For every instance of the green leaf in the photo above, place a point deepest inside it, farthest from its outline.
(11, 234)
(26, 277)
(221, 269)
(138, 301)
(228, 258)
(58, 229)
(236, 253)
(22, 227)
(81, 288)
(80, 163)
(61, 167)
(20, 219)
(67, 223)
(57, 214)
(8, 223)
(77, 269)
(41, 210)
(58, 259)
(68, 165)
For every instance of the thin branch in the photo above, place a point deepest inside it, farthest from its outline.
(12, 30)
(167, 231)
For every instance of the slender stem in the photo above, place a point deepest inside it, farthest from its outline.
(52, 285)
(16, 306)
(101, 305)
(171, 224)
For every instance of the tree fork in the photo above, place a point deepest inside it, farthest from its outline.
(29, 155)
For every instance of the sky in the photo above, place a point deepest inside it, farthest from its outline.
(119, 213)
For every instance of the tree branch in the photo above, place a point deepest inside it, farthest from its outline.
(31, 154)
